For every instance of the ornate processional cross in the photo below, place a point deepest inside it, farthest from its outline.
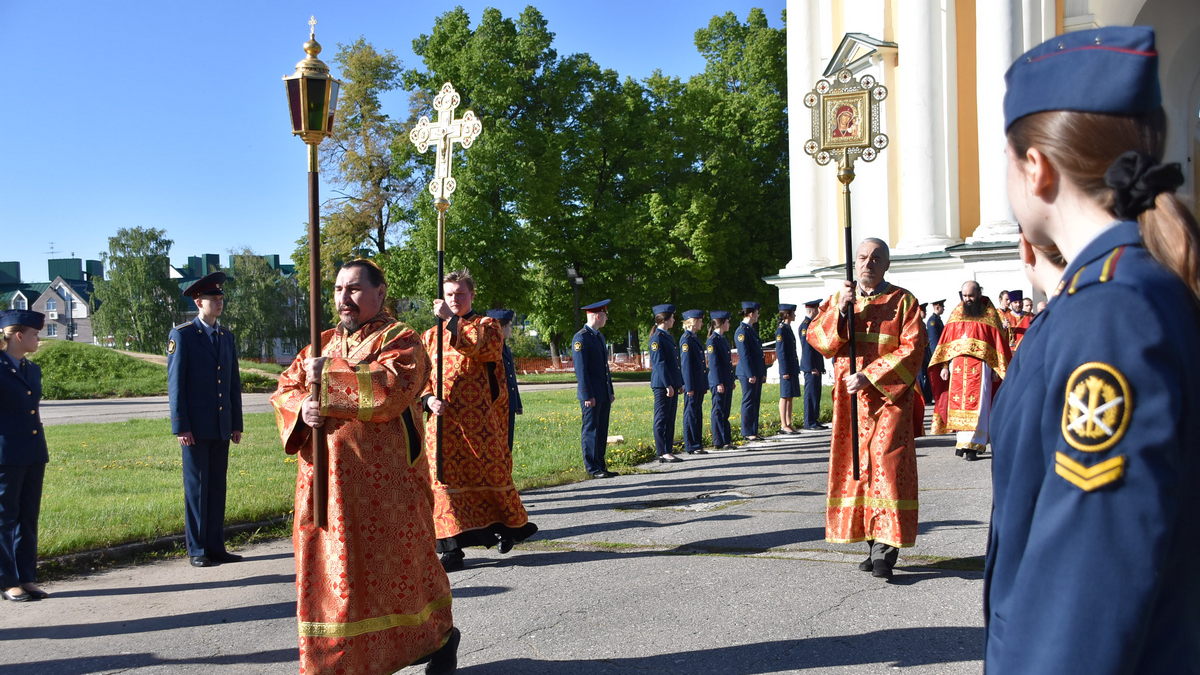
(442, 135)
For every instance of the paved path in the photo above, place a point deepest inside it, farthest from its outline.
(715, 565)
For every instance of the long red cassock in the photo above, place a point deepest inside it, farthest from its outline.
(476, 490)
(967, 343)
(371, 593)
(890, 345)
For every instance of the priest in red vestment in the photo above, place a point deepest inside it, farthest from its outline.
(371, 594)
(965, 370)
(474, 500)
(1019, 320)
(880, 507)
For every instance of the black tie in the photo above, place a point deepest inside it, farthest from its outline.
(24, 370)
(213, 335)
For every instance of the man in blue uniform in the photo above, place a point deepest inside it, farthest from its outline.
(751, 368)
(205, 392)
(1094, 541)
(934, 325)
(812, 364)
(505, 317)
(788, 362)
(720, 380)
(665, 381)
(695, 382)
(594, 388)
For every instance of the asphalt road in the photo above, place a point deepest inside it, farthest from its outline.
(714, 565)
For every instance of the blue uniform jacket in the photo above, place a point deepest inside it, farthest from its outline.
(720, 363)
(1094, 542)
(203, 383)
(591, 365)
(692, 363)
(22, 437)
(750, 355)
(934, 327)
(785, 350)
(810, 358)
(664, 362)
(510, 378)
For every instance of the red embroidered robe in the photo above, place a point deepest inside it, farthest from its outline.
(967, 343)
(890, 346)
(371, 593)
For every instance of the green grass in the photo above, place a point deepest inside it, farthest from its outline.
(274, 368)
(552, 378)
(75, 370)
(110, 484)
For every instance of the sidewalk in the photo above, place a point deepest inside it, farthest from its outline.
(714, 565)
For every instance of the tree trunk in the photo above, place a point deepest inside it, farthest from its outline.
(555, 362)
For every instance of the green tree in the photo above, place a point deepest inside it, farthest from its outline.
(262, 306)
(137, 302)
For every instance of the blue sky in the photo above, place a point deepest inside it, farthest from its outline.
(172, 114)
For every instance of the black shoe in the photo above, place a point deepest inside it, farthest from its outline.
(505, 544)
(604, 474)
(958, 452)
(445, 659)
(881, 570)
(203, 561)
(668, 459)
(866, 565)
(697, 451)
(23, 596)
(452, 561)
(225, 557)
(970, 455)
(37, 593)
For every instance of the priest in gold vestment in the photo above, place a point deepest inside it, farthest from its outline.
(880, 507)
(371, 594)
(474, 500)
(965, 370)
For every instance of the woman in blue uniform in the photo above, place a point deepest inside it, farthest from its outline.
(23, 454)
(1092, 557)
(665, 380)
(789, 366)
(720, 379)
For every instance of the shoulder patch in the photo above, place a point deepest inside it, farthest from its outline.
(741, 337)
(710, 347)
(654, 346)
(170, 346)
(578, 346)
(1097, 407)
(1088, 478)
(685, 346)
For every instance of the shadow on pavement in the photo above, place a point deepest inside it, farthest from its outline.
(891, 648)
(121, 662)
(174, 588)
(279, 610)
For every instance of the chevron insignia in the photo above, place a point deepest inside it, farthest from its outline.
(1088, 478)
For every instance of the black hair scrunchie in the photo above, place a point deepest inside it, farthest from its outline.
(1136, 179)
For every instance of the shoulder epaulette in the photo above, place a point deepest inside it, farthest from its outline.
(183, 325)
(1098, 272)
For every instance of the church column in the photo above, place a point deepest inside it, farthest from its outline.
(922, 130)
(997, 43)
(809, 207)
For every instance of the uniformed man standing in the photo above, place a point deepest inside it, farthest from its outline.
(751, 368)
(505, 317)
(934, 325)
(665, 382)
(720, 380)
(205, 392)
(594, 389)
(812, 364)
(695, 382)
(789, 366)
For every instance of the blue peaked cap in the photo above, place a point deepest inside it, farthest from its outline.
(1111, 70)
(693, 314)
(663, 309)
(597, 305)
(750, 304)
(718, 314)
(22, 317)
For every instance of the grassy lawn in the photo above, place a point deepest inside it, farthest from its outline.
(552, 378)
(109, 484)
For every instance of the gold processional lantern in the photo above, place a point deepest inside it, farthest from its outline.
(312, 100)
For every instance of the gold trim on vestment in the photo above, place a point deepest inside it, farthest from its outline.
(482, 488)
(896, 361)
(968, 445)
(366, 392)
(324, 393)
(372, 625)
(857, 540)
(877, 338)
(872, 502)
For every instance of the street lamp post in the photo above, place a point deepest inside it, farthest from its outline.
(576, 280)
(312, 101)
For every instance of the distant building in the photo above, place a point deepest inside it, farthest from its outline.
(66, 301)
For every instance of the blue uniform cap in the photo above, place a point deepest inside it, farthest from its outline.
(813, 303)
(663, 309)
(1111, 70)
(597, 306)
(22, 317)
(693, 314)
(501, 315)
(750, 304)
(784, 307)
(718, 314)
(210, 284)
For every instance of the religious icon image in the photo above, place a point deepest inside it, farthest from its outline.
(845, 119)
(845, 122)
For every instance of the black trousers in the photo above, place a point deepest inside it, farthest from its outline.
(751, 397)
(666, 409)
(721, 403)
(595, 434)
(693, 420)
(204, 467)
(812, 399)
(512, 428)
(20, 502)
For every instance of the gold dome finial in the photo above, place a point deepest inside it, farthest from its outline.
(312, 47)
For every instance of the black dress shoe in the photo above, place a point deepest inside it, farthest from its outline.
(445, 660)
(225, 557)
(697, 451)
(203, 561)
(452, 561)
(505, 545)
(37, 593)
(18, 597)
(970, 455)
(880, 569)
(604, 474)
(866, 565)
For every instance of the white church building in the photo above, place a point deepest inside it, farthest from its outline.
(937, 194)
